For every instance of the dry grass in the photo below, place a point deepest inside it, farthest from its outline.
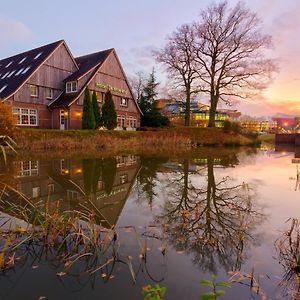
(162, 139)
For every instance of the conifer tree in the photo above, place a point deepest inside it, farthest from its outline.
(88, 118)
(109, 115)
(96, 110)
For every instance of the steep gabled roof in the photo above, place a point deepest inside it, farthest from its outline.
(87, 64)
(17, 69)
(90, 63)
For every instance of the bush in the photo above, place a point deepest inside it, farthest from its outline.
(88, 118)
(109, 115)
(7, 120)
(231, 126)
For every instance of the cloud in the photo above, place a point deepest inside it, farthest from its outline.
(13, 30)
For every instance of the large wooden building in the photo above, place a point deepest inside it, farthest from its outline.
(45, 86)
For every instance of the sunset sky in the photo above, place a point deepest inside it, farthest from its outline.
(135, 28)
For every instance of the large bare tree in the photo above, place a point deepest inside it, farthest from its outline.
(179, 60)
(230, 51)
(223, 54)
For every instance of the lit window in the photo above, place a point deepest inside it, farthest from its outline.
(124, 102)
(26, 70)
(25, 116)
(49, 93)
(38, 55)
(34, 91)
(99, 96)
(22, 60)
(3, 88)
(71, 87)
(19, 72)
(8, 64)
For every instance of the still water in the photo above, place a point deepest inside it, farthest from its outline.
(178, 219)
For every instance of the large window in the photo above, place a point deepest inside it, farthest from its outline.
(25, 116)
(28, 168)
(71, 87)
(34, 91)
(49, 93)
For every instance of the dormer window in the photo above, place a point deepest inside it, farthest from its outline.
(124, 102)
(71, 87)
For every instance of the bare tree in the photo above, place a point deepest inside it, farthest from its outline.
(179, 58)
(137, 83)
(230, 52)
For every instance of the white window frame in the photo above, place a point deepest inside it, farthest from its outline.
(28, 168)
(124, 102)
(50, 96)
(21, 111)
(71, 87)
(31, 87)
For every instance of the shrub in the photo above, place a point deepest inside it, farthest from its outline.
(232, 126)
(96, 110)
(7, 120)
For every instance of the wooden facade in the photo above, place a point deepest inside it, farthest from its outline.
(42, 100)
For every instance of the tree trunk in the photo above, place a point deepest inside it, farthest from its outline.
(212, 111)
(187, 120)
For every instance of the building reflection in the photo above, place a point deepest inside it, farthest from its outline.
(102, 183)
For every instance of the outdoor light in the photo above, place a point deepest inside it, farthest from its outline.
(65, 113)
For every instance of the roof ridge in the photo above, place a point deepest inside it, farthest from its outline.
(98, 52)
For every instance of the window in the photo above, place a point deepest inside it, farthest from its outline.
(34, 91)
(19, 72)
(8, 64)
(22, 60)
(38, 55)
(99, 96)
(25, 116)
(49, 93)
(5, 75)
(11, 73)
(26, 70)
(36, 192)
(124, 102)
(71, 87)
(3, 88)
(28, 168)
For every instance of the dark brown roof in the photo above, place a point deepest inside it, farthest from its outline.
(87, 63)
(16, 70)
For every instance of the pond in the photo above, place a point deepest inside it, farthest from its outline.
(167, 219)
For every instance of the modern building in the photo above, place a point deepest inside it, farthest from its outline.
(45, 86)
(175, 111)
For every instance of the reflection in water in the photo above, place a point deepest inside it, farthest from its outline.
(101, 183)
(213, 218)
(198, 210)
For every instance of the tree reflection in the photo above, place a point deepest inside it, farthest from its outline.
(213, 218)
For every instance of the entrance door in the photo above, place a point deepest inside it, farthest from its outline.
(62, 120)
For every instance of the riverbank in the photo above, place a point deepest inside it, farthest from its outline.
(161, 139)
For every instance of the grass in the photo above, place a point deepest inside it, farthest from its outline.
(179, 138)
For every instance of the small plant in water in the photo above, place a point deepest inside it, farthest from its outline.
(215, 293)
(154, 292)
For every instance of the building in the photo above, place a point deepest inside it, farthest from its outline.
(175, 111)
(45, 86)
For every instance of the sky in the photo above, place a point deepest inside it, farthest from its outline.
(137, 27)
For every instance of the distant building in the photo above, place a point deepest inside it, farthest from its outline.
(175, 111)
(45, 86)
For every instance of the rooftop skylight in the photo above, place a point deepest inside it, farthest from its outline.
(4, 75)
(9, 64)
(11, 73)
(26, 70)
(38, 55)
(23, 59)
(3, 88)
(20, 71)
